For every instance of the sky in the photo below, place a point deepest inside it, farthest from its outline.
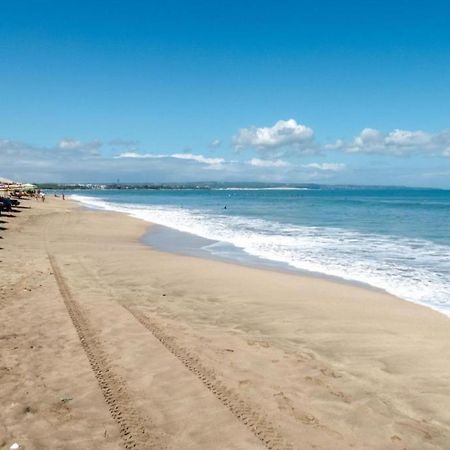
(349, 92)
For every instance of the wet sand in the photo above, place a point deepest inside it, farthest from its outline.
(106, 343)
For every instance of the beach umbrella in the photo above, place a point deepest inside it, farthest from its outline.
(27, 187)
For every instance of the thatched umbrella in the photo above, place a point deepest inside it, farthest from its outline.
(27, 187)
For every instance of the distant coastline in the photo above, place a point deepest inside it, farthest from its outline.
(218, 185)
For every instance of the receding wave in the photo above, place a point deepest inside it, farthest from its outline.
(413, 269)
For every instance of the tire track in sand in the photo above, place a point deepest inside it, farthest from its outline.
(248, 415)
(254, 420)
(132, 431)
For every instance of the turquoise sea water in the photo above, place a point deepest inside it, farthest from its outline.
(394, 239)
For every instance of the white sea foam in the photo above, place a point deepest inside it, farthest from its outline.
(286, 188)
(413, 269)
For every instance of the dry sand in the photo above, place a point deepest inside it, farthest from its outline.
(106, 343)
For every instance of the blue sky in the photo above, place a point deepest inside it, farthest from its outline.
(304, 91)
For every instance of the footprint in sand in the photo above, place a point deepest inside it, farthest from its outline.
(308, 419)
(395, 438)
(330, 373)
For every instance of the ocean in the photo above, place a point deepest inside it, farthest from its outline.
(395, 239)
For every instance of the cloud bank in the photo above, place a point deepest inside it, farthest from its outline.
(289, 138)
(396, 142)
(189, 156)
(281, 152)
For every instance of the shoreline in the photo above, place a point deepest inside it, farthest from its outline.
(248, 260)
(321, 364)
(241, 257)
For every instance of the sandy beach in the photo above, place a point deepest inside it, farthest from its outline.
(106, 343)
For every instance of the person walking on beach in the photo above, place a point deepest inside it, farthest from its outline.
(43, 196)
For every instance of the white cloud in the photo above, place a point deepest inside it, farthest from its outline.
(9, 147)
(328, 167)
(397, 142)
(268, 163)
(139, 155)
(199, 158)
(215, 143)
(27, 162)
(285, 133)
(405, 138)
(338, 145)
(189, 156)
(69, 144)
(76, 145)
